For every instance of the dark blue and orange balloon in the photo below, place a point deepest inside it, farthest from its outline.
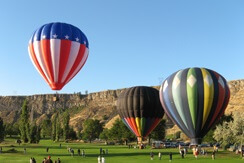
(58, 51)
(195, 98)
(140, 109)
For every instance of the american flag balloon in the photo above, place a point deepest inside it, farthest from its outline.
(58, 51)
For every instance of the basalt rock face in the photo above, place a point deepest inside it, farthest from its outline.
(236, 103)
(99, 105)
(10, 106)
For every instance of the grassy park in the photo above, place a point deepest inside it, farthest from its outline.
(12, 152)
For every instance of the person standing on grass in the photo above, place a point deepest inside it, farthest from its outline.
(101, 150)
(213, 155)
(19, 141)
(44, 160)
(103, 159)
(72, 152)
(83, 153)
(47, 149)
(182, 153)
(59, 161)
(99, 159)
(214, 147)
(170, 157)
(49, 160)
(151, 154)
(78, 151)
(24, 150)
(242, 152)
(185, 151)
(196, 154)
(159, 155)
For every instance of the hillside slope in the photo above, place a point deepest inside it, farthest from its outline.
(99, 105)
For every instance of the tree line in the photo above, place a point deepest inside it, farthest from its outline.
(57, 127)
(230, 129)
(54, 128)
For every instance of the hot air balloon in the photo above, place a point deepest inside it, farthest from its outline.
(140, 110)
(195, 99)
(58, 51)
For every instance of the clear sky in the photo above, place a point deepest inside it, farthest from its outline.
(131, 42)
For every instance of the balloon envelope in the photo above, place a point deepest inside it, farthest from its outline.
(58, 51)
(140, 109)
(195, 98)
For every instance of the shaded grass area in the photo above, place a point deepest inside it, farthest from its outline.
(12, 152)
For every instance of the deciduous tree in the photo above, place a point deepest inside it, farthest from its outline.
(92, 129)
(159, 132)
(231, 132)
(120, 132)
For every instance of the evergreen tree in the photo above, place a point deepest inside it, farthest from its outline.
(38, 134)
(32, 133)
(72, 134)
(54, 120)
(58, 128)
(46, 128)
(2, 130)
(24, 122)
(28, 131)
(66, 129)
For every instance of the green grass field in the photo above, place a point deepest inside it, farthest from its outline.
(12, 152)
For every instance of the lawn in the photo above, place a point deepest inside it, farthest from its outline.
(12, 152)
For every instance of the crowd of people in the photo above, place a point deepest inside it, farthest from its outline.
(196, 150)
(101, 154)
(45, 160)
(101, 159)
(160, 155)
(49, 160)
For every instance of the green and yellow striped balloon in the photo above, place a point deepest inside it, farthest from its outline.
(195, 98)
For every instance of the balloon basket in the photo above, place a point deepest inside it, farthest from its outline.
(140, 142)
(195, 142)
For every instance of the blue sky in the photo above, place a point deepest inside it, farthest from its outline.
(131, 42)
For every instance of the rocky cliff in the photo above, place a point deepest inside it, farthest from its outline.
(99, 105)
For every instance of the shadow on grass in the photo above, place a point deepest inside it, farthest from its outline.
(12, 150)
